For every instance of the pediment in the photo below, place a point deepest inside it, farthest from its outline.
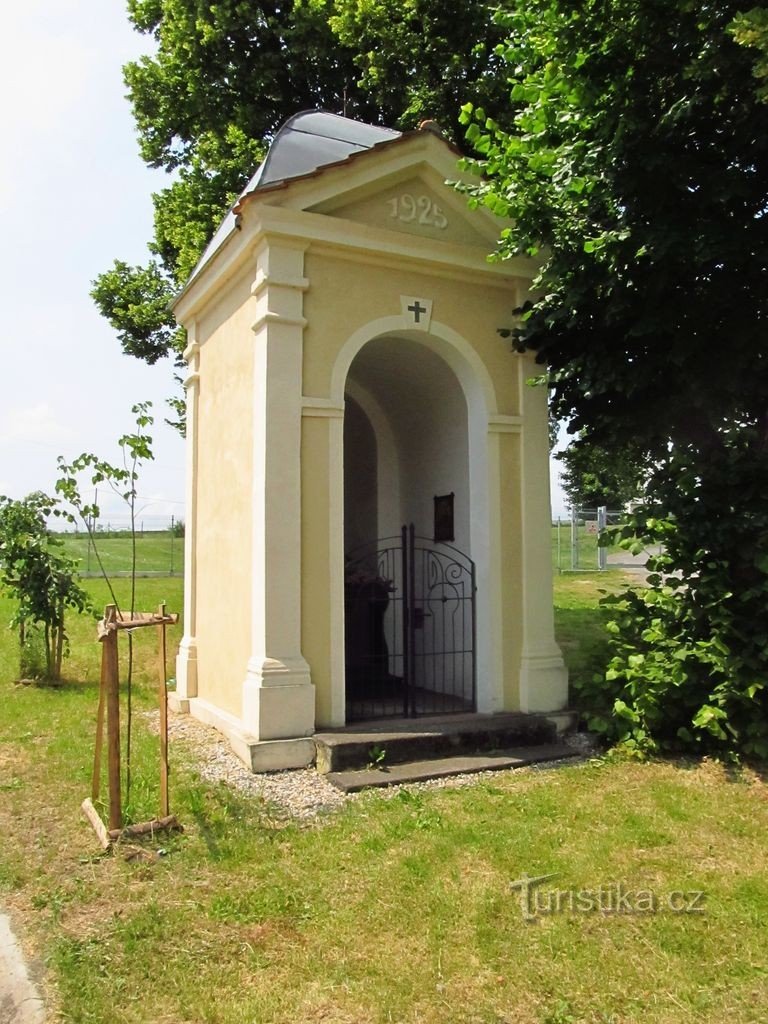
(394, 188)
(413, 206)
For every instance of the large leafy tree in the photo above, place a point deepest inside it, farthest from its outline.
(750, 28)
(595, 475)
(636, 171)
(225, 75)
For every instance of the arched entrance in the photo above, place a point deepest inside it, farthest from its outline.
(410, 577)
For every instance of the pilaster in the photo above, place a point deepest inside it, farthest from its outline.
(278, 698)
(186, 659)
(543, 675)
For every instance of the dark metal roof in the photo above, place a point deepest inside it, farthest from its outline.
(307, 141)
(312, 139)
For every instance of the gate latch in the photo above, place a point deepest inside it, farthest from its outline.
(418, 618)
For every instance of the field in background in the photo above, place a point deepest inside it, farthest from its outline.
(162, 552)
(575, 549)
(157, 552)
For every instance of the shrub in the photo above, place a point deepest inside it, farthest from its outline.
(689, 653)
(41, 578)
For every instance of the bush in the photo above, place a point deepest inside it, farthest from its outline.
(41, 578)
(689, 654)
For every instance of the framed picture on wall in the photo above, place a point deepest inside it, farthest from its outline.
(444, 528)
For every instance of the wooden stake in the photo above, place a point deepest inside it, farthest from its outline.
(163, 703)
(99, 828)
(96, 780)
(112, 685)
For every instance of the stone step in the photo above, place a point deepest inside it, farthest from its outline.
(406, 740)
(438, 768)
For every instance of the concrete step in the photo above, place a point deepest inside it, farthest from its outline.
(438, 768)
(406, 740)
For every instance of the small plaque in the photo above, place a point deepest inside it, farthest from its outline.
(444, 528)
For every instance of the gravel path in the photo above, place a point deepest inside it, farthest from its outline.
(301, 793)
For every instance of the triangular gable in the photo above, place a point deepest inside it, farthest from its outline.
(391, 197)
(398, 186)
(416, 206)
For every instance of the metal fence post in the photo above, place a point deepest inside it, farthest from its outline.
(602, 522)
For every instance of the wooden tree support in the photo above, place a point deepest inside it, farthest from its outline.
(109, 702)
(97, 824)
(147, 828)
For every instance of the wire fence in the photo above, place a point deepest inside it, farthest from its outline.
(159, 547)
(575, 546)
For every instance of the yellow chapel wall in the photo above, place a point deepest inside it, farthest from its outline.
(224, 475)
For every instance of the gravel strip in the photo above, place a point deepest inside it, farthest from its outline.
(301, 794)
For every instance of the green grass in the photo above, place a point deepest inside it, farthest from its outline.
(156, 551)
(579, 621)
(396, 909)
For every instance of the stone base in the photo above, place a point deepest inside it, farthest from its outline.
(274, 755)
(256, 755)
(543, 683)
(179, 705)
(186, 668)
(564, 721)
(278, 701)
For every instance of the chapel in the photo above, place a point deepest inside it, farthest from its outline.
(368, 520)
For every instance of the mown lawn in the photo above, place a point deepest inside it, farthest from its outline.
(398, 908)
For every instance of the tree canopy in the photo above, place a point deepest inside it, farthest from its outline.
(224, 76)
(594, 475)
(636, 170)
(637, 167)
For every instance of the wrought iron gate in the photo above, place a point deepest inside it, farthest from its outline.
(410, 628)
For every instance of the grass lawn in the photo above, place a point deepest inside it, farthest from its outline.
(399, 908)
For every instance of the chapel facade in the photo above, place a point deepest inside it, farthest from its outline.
(368, 521)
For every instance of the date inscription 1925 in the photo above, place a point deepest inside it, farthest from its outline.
(410, 209)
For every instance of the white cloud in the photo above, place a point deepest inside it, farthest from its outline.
(35, 424)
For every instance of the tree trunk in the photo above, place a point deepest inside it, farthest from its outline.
(22, 653)
(48, 651)
(59, 643)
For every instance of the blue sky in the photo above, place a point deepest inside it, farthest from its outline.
(74, 195)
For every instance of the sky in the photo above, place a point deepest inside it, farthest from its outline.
(74, 196)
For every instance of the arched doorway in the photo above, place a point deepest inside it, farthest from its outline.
(409, 573)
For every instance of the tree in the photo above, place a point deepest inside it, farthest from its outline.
(135, 450)
(595, 475)
(36, 572)
(636, 171)
(422, 59)
(750, 28)
(226, 75)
